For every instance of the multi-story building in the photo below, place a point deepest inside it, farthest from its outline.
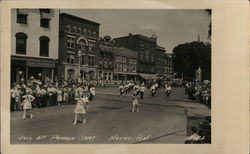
(105, 58)
(77, 47)
(125, 64)
(145, 47)
(160, 60)
(34, 44)
(169, 65)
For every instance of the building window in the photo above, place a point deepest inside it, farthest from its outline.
(134, 68)
(82, 45)
(89, 33)
(70, 59)
(21, 41)
(74, 29)
(44, 46)
(94, 34)
(83, 59)
(117, 59)
(71, 73)
(22, 15)
(70, 42)
(84, 32)
(79, 30)
(120, 67)
(124, 68)
(91, 46)
(68, 28)
(44, 23)
(147, 58)
(91, 60)
(124, 60)
(21, 19)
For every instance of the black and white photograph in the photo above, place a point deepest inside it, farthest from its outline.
(110, 76)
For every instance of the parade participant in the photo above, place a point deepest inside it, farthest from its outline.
(121, 89)
(92, 93)
(141, 90)
(79, 109)
(135, 103)
(59, 96)
(194, 138)
(153, 90)
(27, 107)
(136, 89)
(38, 97)
(168, 90)
(126, 88)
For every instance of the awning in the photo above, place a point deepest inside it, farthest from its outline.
(45, 15)
(146, 76)
(23, 11)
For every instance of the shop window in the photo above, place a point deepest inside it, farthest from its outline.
(44, 46)
(21, 42)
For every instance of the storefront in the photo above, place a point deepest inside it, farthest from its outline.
(24, 68)
(125, 76)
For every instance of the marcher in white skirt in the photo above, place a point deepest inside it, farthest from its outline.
(79, 109)
(135, 102)
(27, 107)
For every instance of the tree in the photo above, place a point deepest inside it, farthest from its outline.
(209, 11)
(189, 57)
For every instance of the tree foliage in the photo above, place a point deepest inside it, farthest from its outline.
(189, 56)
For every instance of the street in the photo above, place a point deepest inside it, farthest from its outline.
(109, 121)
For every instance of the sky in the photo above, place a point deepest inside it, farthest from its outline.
(172, 27)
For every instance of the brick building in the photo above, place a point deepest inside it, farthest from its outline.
(145, 47)
(125, 64)
(34, 44)
(77, 47)
(105, 58)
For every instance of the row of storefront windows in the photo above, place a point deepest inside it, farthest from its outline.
(21, 44)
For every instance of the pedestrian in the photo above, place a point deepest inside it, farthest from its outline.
(135, 103)
(15, 98)
(27, 107)
(92, 93)
(65, 95)
(79, 110)
(59, 96)
(168, 90)
(142, 90)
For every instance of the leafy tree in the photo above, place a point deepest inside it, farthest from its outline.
(189, 57)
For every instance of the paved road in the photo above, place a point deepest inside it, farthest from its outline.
(109, 120)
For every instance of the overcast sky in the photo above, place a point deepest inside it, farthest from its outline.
(172, 27)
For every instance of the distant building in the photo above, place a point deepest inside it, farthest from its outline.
(125, 64)
(34, 44)
(77, 45)
(160, 60)
(105, 58)
(145, 47)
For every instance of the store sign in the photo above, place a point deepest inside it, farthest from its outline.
(40, 64)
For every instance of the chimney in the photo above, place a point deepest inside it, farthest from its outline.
(130, 41)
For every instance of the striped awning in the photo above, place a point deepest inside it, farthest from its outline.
(45, 15)
(23, 11)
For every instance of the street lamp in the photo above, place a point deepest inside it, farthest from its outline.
(79, 66)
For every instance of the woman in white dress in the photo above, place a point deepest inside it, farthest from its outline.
(79, 109)
(27, 106)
